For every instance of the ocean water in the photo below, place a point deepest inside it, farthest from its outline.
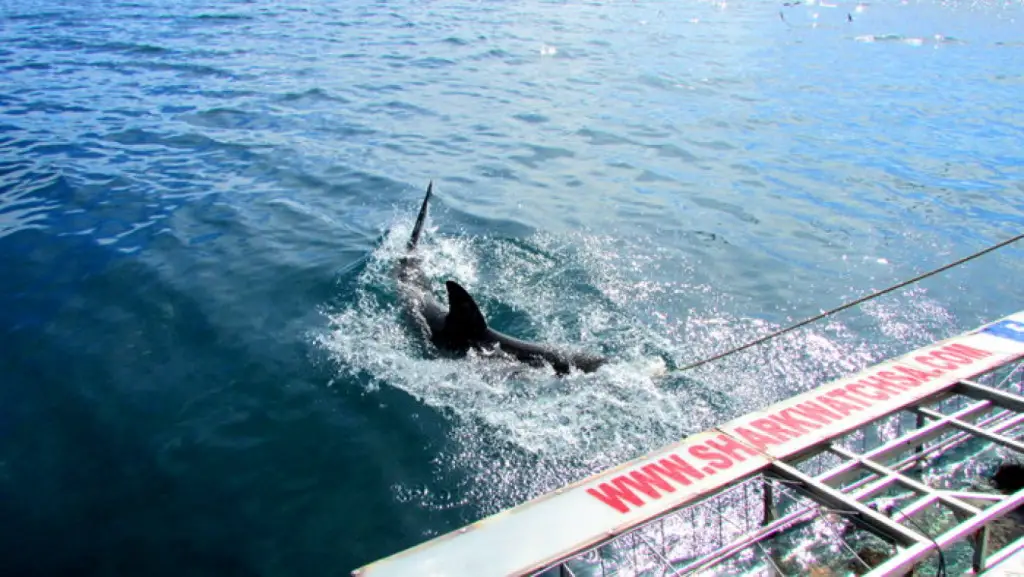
(202, 367)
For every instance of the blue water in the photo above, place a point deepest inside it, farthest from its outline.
(202, 371)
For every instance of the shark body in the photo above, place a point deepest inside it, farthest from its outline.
(461, 325)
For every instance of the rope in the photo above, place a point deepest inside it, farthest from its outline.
(862, 299)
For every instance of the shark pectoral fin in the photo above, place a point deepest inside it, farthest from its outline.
(464, 315)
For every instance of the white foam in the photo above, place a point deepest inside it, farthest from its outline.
(594, 294)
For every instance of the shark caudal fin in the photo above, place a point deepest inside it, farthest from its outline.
(416, 230)
(465, 322)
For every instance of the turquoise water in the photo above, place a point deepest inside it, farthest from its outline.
(203, 371)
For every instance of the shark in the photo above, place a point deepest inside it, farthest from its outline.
(461, 325)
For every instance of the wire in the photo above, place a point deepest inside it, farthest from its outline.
(863, 299)
(941, 572)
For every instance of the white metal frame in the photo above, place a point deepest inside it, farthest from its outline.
(558, 531)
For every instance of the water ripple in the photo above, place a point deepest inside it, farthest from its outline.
(194, 206)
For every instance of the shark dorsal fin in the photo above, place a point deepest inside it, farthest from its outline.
(464, 315)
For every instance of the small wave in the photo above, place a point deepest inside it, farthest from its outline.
(401, 109)
(432, 62)
(220, 118)
(531, 118)
(492, 53)
(222, 17)
(28, 66)
(131, 48)
(908, 40)
(47, 16)
(200, 70)
(79, 46)
(24, 204)
(602, 138)
(311, 98)
(130, 67)
(541, 155)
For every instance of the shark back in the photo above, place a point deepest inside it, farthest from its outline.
(463, 326)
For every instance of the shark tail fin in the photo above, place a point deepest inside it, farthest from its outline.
(416, 230)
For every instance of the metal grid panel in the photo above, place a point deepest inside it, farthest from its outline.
(867, 501)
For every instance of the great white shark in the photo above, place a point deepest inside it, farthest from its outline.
(461, 326)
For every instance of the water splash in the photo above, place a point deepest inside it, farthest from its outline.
(595, 293)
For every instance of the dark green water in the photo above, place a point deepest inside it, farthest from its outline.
(202, 369)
